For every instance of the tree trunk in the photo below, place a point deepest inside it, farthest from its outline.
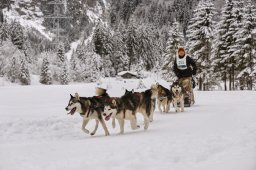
(250, 83)
(230, 79)
(233, 72)
(241, 84)
(200, 83)
(233, 76)
(225, 81)
(1, 16)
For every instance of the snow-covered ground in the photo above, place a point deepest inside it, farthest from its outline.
(218, 133)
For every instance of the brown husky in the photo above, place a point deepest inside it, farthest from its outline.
(164, 98)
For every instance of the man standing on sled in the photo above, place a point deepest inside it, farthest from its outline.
(184, 68)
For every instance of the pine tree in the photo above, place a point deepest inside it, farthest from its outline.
(94, 69)
(24, 76)
(45, 76)
(17, 35)
(200, 36)
(119, 56)
(247, 44)
(175, 40)
(61, 54)
(75, 68)
(58, 63)
(4, 32)
(102, 40)
(131, 44)
(13, 73)
(64, 77)
(235, 27)
(221, 53)
(145, 47)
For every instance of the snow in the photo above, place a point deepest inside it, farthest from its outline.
(93, 16)
(33, 22)
(73, 47)
(219, 132)
(125, 72)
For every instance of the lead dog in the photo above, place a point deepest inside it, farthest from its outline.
(89, 108)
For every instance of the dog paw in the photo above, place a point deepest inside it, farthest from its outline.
(146, 127)
(92, 134)
(182, 110)
(107, 134)
(86, 131)
(178, 110)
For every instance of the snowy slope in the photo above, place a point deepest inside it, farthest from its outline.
(29, 16)
(219, 132)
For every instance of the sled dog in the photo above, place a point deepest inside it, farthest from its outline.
(177, 96)
(89, 108)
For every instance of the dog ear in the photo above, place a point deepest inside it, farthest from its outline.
(77, 96)
(114, 102)
(71, 96)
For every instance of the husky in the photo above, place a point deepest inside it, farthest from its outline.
(164, 98)
(177, 96)
(187, 86)
(127, 107)
(89, 108)
(122, 108)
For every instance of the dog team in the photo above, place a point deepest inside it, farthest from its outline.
(102, 107)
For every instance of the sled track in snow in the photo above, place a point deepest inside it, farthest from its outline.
(51, 128)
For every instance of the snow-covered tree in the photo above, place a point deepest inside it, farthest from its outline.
(94, 69)
(146, 47)
(13, 72)
(58, 63)
(102, 40)
(46, 76)
(131, 44)
(221, 54)
(64, 77)
(4, 32)
(200, 36)
(175, 40)
(247, 45)
(17, 35)
(75, 68)
(119, 53)
(24, 76)
(61, 54)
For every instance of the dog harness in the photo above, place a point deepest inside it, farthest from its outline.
(181, 63)
(162, 98)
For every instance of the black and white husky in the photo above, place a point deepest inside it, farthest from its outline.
(177, 96)
(89, 108)
(126, 108)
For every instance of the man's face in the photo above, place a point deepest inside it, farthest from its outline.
(181, 53)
